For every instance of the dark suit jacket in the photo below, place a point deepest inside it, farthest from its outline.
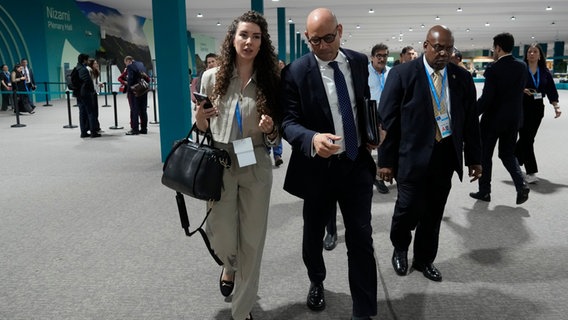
(407, 113)
(133, 71)
(307, 112)
(501, 103)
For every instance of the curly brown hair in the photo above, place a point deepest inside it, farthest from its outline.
(265, 66)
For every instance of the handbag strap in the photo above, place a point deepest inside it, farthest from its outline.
(185, 225)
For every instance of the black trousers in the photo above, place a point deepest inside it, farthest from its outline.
(138, 111)
(507, 141)
(524, 151)
(420, 205)
(349, 184)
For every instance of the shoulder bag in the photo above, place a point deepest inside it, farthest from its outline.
(141, 87)
(196, 168)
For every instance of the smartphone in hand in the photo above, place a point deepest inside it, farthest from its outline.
(201, 97)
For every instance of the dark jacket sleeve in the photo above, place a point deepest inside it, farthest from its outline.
(389, 117)
(550, 87)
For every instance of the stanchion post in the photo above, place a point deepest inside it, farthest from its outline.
(106, 93)
(47, 104)
(154, 102)
(17, 108)
(70, 125)
(115, 127)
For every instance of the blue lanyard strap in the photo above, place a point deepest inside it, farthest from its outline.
(537, 80)
(382, 79)
(437, 98)
(239, 119)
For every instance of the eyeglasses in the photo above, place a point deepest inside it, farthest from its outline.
(328, 38)
(438, 48)
(378, 55)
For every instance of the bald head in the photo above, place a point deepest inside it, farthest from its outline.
(438, 31)
(323, 32)
(320, 16)
(438, 46)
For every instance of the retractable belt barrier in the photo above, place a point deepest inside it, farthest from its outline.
(67, 94)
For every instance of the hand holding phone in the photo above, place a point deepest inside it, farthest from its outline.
(201, 97)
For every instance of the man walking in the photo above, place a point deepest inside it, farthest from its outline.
(501, 109)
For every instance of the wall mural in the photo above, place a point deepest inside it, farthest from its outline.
(120, 35)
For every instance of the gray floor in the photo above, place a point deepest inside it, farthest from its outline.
(87, 231)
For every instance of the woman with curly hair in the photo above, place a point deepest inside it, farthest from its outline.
(244, 117)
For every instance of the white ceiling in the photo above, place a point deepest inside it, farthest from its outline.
(392, 20)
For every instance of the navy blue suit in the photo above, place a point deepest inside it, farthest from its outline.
(324, 182)
(422, 166)
(138, 105)
(501, 109)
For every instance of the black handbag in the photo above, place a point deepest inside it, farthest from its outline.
(195, 168)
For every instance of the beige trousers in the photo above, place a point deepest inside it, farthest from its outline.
(237, 225)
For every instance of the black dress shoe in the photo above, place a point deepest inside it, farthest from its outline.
(95, 135)
(481, 196)
(316, 299)
(143, 131)
(85, 135)
(429, 270)
(523, 195)
(225, 286)
(400, 262)
(381, 186)
(132, 133)
(330, 242)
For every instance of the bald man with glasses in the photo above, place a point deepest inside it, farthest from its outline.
(322, 99)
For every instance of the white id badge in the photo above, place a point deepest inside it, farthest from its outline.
(244, 151)
(443, 122)
(537, 95)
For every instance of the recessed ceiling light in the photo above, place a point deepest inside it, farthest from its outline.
(371, 11)
(459, 10)
(410, 29)
(200, 15)
(422, 26)
(218, 23)
(437, 18)
(513, 18)
(553, 22)
(487, 24)
(467, 30)
(548, 8)
(358, 27)
(290, 20)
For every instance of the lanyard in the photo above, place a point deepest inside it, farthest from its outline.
(537, 80)
(239, 119)
(433, 89)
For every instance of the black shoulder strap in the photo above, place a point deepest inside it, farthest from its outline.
(185, 225)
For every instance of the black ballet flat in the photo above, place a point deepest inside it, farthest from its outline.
(226, 287)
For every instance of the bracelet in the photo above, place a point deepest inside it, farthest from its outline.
(272, 132)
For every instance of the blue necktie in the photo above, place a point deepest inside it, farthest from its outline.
(349, 129)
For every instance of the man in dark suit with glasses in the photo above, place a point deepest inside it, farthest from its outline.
(428, 110)
(322, 98)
